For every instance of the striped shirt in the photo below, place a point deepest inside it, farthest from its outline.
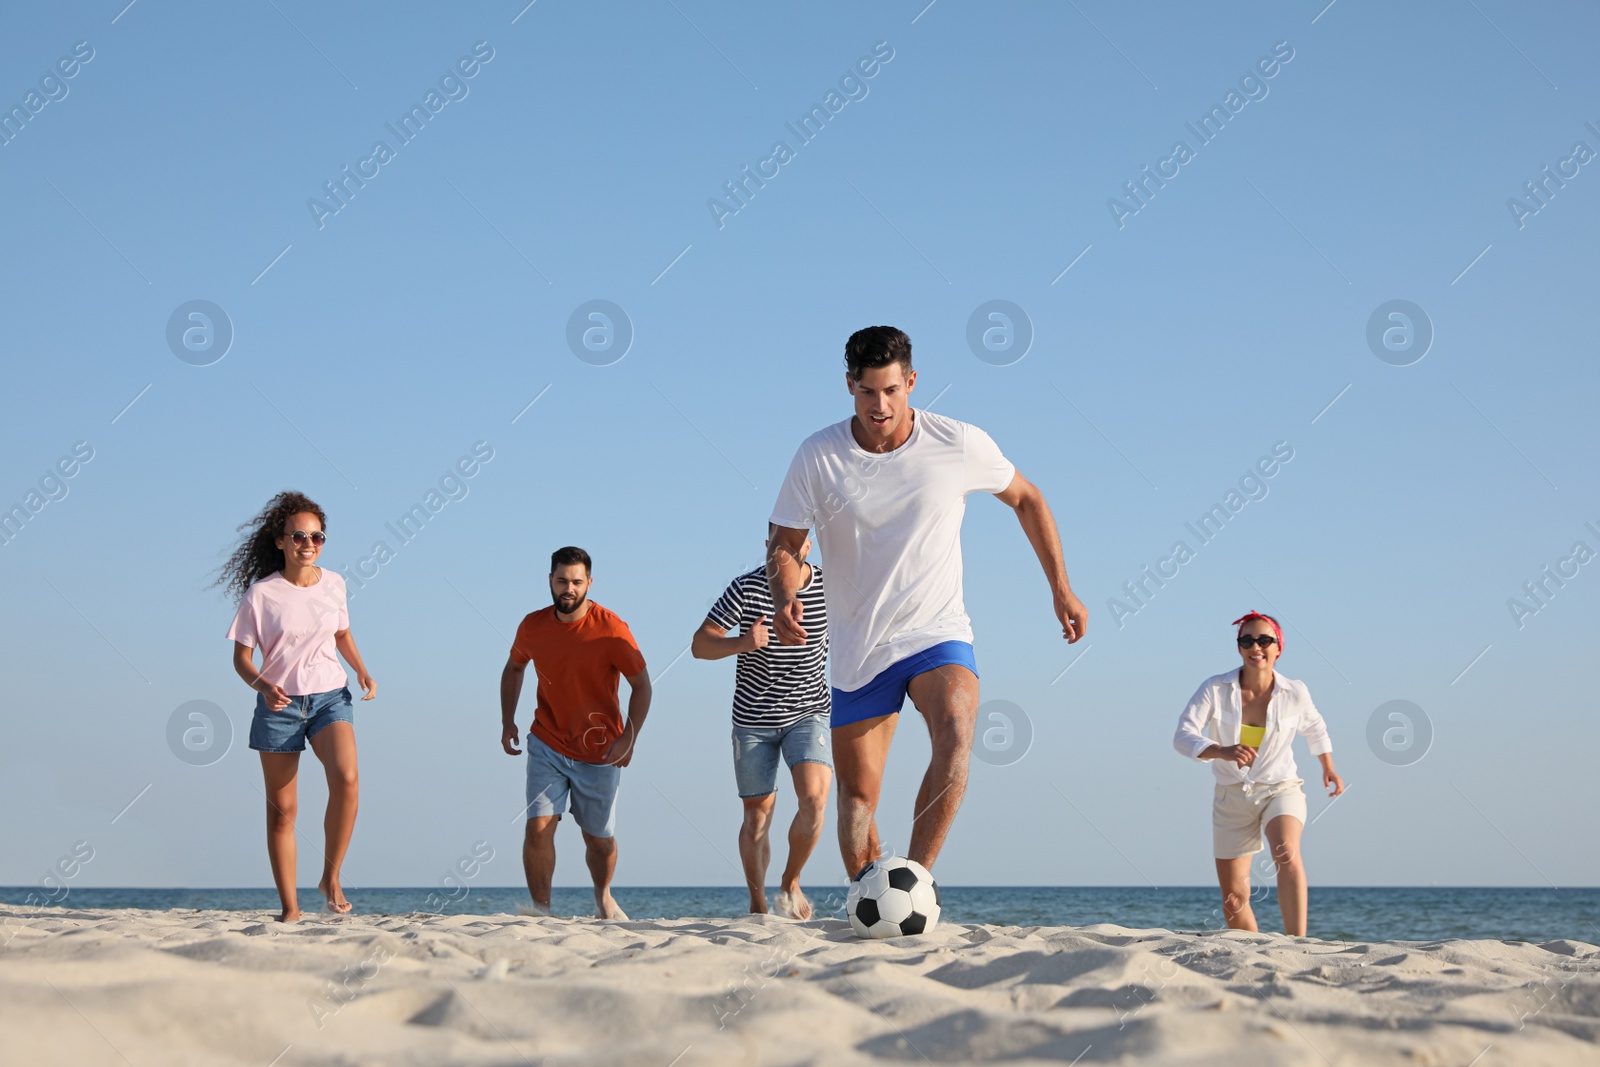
(776, 686)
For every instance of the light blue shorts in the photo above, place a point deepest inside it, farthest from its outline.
(885, 694)
(756, 751)
(289, 728)
(556, 781)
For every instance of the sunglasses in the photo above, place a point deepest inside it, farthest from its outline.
(1263, 640)
(316, 537)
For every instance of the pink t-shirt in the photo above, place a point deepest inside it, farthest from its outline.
(294, 629)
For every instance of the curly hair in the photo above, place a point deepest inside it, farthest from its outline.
(257, 556)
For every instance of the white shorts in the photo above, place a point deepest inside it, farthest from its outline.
(1238, 817)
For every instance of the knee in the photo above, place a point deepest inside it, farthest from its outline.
(540, 831)
(600, 847)
(856, 795)
(281, 816)
(814, 805)
(346, 778)
(757, 820)
(954, 732)
(1286, 856)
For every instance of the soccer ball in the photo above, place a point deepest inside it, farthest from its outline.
(893, 897)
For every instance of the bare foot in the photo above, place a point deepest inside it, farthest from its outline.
(535, 910)
(792, 904)
(606, 908)
(289, 915)
(336, 902)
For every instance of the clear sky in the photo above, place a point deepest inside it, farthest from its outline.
(1370, 153)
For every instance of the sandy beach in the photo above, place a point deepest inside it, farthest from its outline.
(188, 987)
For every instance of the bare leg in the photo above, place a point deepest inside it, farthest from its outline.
(279, 770)
(947, 697)
(539, 858)
(859, 753)
(755, 849)
(335, 746)
(1283, 837)
(601, 856)
(811, 782)
(1234, 877)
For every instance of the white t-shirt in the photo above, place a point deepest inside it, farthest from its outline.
(294, 627)
(889, 526)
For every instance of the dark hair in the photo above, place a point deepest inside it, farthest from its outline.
(258, 555)
(564, 557)
(876, 346)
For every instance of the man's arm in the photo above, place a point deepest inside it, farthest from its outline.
(620, 752)
(1023, 497)
(510, 693)
(711, 641)
(783, 579)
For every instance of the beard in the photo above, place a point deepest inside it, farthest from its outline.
(564, 609)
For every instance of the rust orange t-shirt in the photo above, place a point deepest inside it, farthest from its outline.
(578, 666)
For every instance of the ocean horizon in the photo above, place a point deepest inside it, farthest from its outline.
(1352, 913)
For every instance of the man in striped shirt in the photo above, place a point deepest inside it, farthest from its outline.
(781, 703)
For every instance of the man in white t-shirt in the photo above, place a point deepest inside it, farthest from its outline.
(885, 492)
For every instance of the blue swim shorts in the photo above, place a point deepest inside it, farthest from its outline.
(885, 694)
(556, 781)
(289, 728)
(756, 751)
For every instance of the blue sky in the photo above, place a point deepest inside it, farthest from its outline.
(375, 345)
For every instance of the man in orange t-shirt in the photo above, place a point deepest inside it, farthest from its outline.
(578, 743)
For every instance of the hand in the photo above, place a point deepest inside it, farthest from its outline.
(756, 637)
(277, 699)
(1334, 783)
(620, 752)
(508, 739)
(787, 623)
(365, 681)
(1242, 755)
(1073, 615)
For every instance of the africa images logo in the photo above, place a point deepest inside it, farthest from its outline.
(453, 87)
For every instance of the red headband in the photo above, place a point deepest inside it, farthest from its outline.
(1239, 622)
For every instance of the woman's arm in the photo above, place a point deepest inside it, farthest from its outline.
(1242, 755)
(347, 648)
(1314, 729)
(1191, 740)
(1312, 726)
(244, 666)
(1330, 777)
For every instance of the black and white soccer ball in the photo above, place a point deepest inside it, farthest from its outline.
(893, 897)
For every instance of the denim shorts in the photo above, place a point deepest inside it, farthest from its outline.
(289, 728)
(756, 750)
(885, 694)
(556, 781)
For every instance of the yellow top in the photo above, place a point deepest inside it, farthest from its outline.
(1251, 735)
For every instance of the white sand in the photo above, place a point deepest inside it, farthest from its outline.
(172, 988)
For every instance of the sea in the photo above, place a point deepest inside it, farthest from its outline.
(1336, 913)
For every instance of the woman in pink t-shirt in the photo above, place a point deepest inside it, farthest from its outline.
(294, 612)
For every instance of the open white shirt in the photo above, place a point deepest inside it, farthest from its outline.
(1216, 711)
(889, 526)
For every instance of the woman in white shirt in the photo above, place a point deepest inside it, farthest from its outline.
(1244, 722)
